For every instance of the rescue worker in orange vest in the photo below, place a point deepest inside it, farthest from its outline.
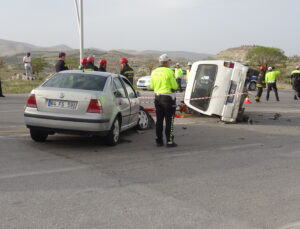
(126, 70)
(271, 78)
(163, 83)
(102, 65)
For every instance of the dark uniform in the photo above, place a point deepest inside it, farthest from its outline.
(128, 72)
(90, 67)
(163, 83)
(295, 77)
(60, 66)
(102, 69)
(260, 84)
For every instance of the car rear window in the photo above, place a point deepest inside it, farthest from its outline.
(77, 81)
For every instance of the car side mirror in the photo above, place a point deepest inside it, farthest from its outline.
(117, 94)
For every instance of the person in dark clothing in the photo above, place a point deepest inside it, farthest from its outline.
(90, 64)
(126, 70)
(102, 65)
(60, 64)
(1, 94)
(260, 84)
(295, 80)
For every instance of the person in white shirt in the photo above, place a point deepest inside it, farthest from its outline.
(27, 66)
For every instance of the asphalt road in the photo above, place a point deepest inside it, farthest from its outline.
(221, 175)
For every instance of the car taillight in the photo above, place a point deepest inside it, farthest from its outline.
(228, 64)
(94, 106)
(31, 101)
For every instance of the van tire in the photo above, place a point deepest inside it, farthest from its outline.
(252, 86)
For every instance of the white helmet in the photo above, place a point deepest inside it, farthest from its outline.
(163, 58)
(190, 63)
(270, 68)
(177, 64)
(298, 67)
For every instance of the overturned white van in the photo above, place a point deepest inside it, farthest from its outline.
(217, 87)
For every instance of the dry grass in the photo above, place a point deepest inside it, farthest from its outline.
(20, 86)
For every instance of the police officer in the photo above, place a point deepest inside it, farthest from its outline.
(260, 84)
(163, 83)
(90, 64)
(188, 69)
(295, 77)
(271, 78)
(102, 65)
(178, 75)
(126, 70)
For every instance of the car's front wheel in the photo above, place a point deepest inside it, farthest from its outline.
(144, 120)
(38, 135)
(113, 136)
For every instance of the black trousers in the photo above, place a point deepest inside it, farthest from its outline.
(165, 110)
(178, 80)
(272, 86)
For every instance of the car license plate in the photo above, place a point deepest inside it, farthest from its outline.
(62, 104)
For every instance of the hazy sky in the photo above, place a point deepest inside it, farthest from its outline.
(207, 26)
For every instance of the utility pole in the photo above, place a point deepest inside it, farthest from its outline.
(79, 10)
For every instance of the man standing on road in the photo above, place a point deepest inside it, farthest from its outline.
(188, 69)
(260, 84)
(295, 78)
(271, 78)
(178, 75)
(1, 94)
(60, 64)
(27, 66)
(126, 70)
(163, 83)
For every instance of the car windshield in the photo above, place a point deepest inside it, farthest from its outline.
(77, 81)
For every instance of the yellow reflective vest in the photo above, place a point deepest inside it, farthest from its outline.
(178, 72)
(162, 81)
(272, 76)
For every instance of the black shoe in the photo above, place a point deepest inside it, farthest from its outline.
(2, 96)
(173, 144)
(295, 97)
(159, 142)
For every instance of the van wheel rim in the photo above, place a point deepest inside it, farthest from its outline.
(116, 131)
(143, 119)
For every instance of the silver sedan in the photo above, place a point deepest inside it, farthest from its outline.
(87, 103)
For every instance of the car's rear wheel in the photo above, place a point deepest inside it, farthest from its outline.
(144, 120)
(38, 135)
(113, 136)
(252, 86)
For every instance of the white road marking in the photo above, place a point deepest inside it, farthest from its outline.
(11, 111)
(43, 172)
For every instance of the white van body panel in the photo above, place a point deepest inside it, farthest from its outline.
(212, 82)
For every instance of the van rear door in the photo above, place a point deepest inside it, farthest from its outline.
(236, 92)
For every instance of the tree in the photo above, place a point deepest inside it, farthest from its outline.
(72, 63)
(38, 64)
(151, 64)
(266, 56)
